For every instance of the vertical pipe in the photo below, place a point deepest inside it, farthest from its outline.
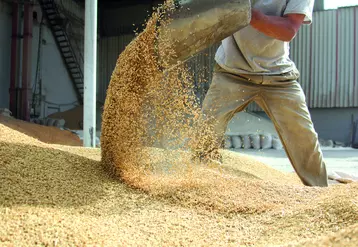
(26, 62)
(19, 62)
(336, 96)
(309, 89)
(14, 50)
(90, 72)
(354, 55)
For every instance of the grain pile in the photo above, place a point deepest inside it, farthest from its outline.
(73, 117)
(45, 134)
(347, 237)
(52, 195)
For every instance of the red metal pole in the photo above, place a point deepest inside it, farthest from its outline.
(26, 62)
(14, 50)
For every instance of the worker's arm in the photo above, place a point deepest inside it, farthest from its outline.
(281, 28)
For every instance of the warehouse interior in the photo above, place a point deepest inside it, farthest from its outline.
(147, 183)
(42, 53)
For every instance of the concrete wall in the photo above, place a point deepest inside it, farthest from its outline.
(58, 93)
(5, 53)
(332, 123)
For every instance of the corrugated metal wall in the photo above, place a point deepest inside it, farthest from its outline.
(326, 55)
(108, 52)
(325, 52)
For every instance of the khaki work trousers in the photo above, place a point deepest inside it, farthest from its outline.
(283, 100)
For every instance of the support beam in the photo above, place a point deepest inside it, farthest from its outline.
(14, 62)
(26, 62)
(90, 74)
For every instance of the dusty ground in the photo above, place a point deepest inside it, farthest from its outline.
(53, 195)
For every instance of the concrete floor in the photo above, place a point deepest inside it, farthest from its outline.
(342, 159)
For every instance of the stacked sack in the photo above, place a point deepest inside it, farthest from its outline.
(253, 141)
(59, 123)
(5, 112)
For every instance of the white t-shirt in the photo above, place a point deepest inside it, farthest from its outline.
(249, 51)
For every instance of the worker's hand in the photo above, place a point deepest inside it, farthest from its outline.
(256, 15)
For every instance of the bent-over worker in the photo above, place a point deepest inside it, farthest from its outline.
(254, 65)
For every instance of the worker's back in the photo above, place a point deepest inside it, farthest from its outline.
(251, 52)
